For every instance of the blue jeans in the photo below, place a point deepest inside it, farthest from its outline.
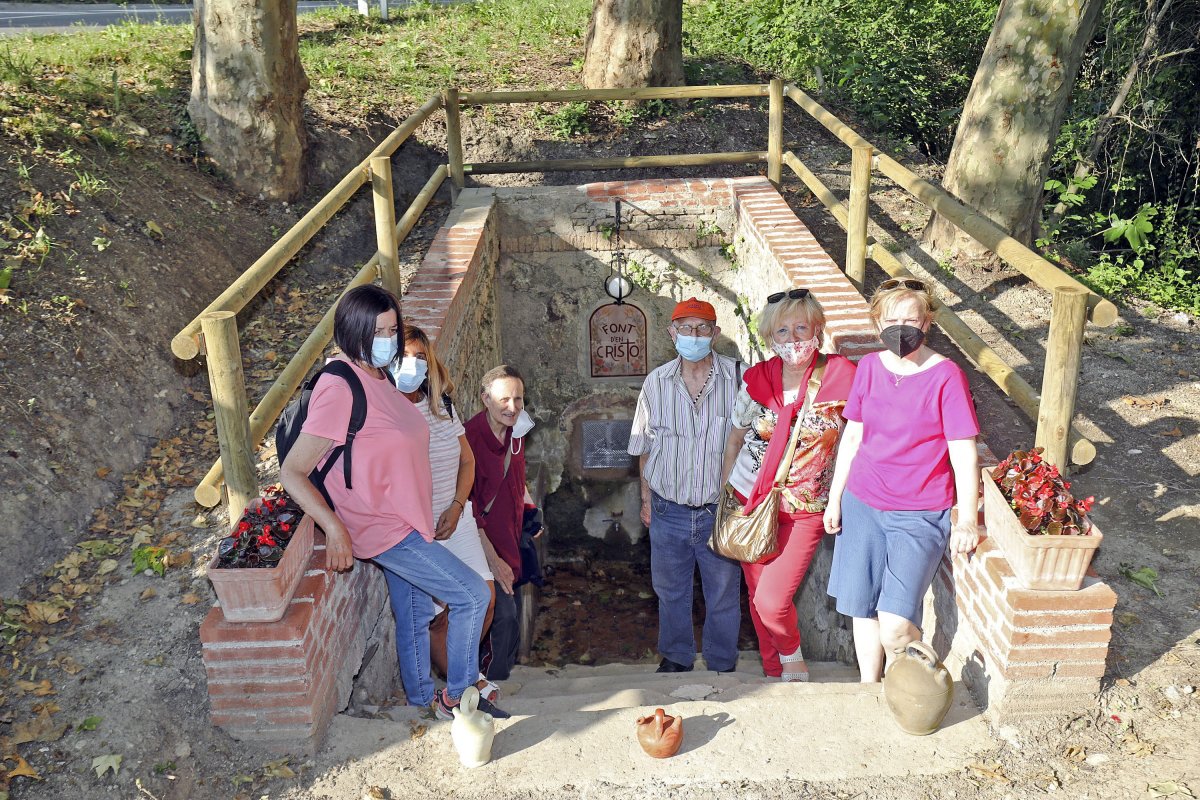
(678, 544)
(416, 572)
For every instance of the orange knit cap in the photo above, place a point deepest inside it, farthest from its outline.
(694, 308)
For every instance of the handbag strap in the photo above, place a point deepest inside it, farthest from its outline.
(810, 392)
(507, 461)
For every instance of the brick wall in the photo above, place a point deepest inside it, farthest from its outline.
(1022, 652)
(279, 683)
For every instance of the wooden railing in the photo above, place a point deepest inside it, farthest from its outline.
(1074, 304)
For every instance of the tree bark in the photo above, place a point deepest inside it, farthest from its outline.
(634, 43)
(248, 89)
(1010, 121)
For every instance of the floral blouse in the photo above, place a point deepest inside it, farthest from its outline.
(807, 486)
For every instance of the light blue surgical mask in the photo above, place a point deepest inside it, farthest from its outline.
(693, 348)
(410, 373)
(384, 350)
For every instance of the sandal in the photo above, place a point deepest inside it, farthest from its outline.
(488, 690)
(794, 668)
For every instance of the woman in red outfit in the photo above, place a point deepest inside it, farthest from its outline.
(799, 383)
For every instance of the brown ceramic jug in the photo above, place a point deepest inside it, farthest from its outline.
(918, 689)
(661, 734)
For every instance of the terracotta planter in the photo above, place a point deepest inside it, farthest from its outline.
(263, 594)
(1040, 562)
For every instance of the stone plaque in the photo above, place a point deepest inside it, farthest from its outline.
(606, 443)
(617, 341)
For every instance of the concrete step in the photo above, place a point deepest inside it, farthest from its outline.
(815, 732)
(528, 684)
(615, 692)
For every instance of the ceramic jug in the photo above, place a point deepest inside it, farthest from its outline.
(472, 730)
(661, 734)
(918, 689)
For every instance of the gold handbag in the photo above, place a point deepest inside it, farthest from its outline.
(755, 536)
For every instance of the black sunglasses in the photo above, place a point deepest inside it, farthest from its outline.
(907, 283)
(790, 294)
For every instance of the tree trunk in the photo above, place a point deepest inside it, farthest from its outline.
(1010, 121)
(634, 43)
(248, 90)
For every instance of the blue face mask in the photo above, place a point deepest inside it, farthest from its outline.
(384, 350)
(693, 348)
(410, 373)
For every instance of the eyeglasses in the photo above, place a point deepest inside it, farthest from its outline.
(701, 329)
(907, 283)
(790, 294)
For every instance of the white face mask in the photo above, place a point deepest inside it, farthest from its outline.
(523, 425)
(796, 354)
(410, 373)
(384, 350)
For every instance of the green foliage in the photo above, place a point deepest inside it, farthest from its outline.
(1133, 225)
(569, 121)
(150, 558)
(906, 67)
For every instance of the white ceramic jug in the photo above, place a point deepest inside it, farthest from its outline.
(472, 730)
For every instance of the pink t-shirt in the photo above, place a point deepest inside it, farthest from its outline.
(903, 463)
(393, 490)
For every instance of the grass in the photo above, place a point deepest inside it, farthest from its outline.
(61, 91)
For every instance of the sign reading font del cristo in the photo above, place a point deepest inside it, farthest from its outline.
(617, 341)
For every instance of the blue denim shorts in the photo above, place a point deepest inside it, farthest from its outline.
(886, 560)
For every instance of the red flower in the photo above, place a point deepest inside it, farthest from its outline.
(283, 526)
(242, 527)
(266, 540)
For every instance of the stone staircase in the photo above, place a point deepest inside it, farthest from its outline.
(572, 731)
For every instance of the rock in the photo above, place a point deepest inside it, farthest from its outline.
(694, 691)
(1011, 735)
(1096, 759)
(183, 750)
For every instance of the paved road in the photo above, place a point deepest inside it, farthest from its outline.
(47, 18)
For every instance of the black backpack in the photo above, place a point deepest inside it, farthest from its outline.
(287, 430)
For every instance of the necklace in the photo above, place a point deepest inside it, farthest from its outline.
(711, 367)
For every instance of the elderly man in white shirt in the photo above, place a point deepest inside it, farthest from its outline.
(679, 432)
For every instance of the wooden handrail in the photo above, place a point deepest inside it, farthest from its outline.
(648, 93)
(988, 360)
(208, 492)
(1045, 274)
(186, 344)
(685, 160)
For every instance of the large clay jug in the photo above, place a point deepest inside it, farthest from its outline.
(661, 734)
(472, 730)
(918, 689)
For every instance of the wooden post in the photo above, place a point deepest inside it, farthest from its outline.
(1060, 377)
(454, 139)
(228, 388)
(775, 132)
(856, 231)
(385, 224)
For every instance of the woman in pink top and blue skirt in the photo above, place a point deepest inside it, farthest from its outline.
(907, 457)
(386, 516)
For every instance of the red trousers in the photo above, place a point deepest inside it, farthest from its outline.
(773, 587)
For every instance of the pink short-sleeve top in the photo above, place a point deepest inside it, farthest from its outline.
(903, 463)
(393, 488)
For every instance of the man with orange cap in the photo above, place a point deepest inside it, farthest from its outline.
(679, 430)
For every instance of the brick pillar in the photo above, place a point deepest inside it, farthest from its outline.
(1022, 652)
(279, 684)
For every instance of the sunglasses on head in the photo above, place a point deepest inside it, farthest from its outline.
(790, 294)
(907, 283)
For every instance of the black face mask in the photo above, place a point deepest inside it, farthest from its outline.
(902, 339)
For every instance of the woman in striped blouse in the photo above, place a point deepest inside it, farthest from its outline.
(426, 382)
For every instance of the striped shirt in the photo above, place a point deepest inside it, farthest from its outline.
(685, 440)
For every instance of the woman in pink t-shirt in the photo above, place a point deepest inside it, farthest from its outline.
(906, 458)
(386, 515)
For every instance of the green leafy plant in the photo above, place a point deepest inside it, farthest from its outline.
(567, 122)
(150, 558)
